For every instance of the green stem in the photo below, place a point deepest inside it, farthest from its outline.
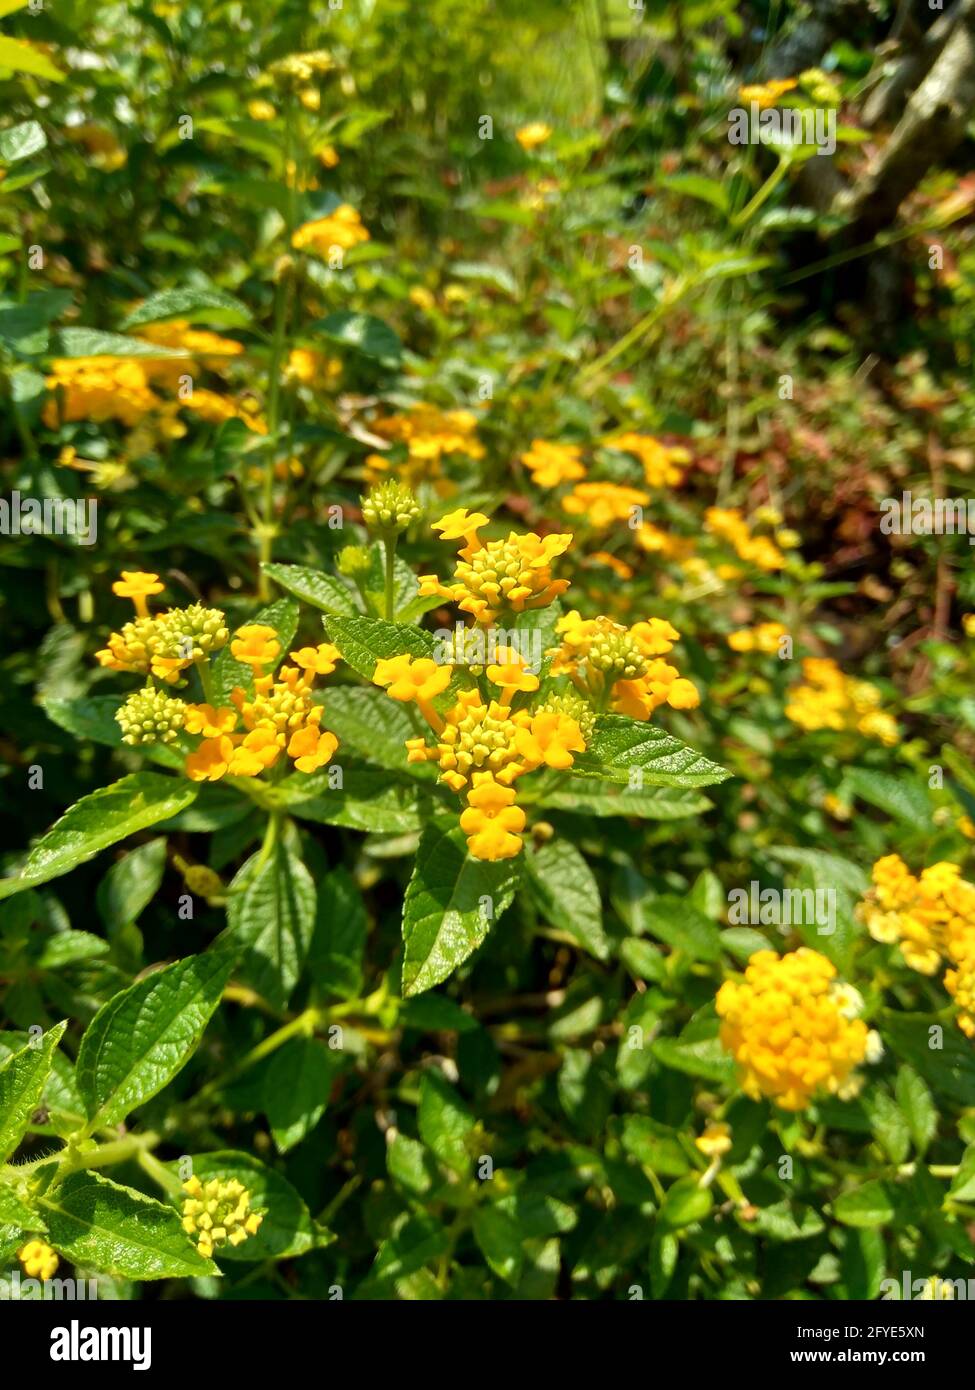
(303, 1024)
(389, 542)
(763, 194)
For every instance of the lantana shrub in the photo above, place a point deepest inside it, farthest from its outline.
(488, 800)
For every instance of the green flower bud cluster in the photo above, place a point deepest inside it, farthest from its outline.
(617, 656)
(390, 506)
(150, 716)
(195, 632)
(354, 561)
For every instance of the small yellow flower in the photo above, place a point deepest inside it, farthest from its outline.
(513, 677)
(552, 464)
(38, 1259)
(321, 660)
(256, 645)
(492, 822)
(550, 738)
(259, 110)
(968, 624)
(211, 760)
(256, 751)
(715, 1141)
(459, 525)
(137, 585)
(530, 136)
(210, 722)
(342, 228)
(311, 748)
(409, 678)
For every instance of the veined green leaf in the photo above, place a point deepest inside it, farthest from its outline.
(22, 1079)
(566, 891)
(619, 746)
(315, 587)
(271, 916)
(451, 901)
(98, 820)
(96, 1222)
(142, 1037)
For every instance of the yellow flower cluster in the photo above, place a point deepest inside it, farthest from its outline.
(621, 668)
(243, 738)
(767, 93)
(764, 637)
(430, 435)
(310, 368)
(482, 744)
(827, 699)
(163, 644)
(38, 1259)
(552, 464)
(529, 137)
(497, 577)
(218, 1213)
(98, 388)
(660, 461)
(793, 1029)
(728, 524)
(931, 917)
(342, 228)
(602, 504)
(209, 349)
(246, 737)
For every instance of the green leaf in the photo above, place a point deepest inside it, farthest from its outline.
(282, 616)
(22, 1079)
(581, 796)
(937, 1051)
(92, 342)
(21, 141)
(339, 940)
(364, 332)
(98, 820)
(94, 1222)
(142, 1037)
(620, 745)
(366, 721)
(131, 884)
(24, 57)
(271, 913)
(316, 587)
(444, 1122)
(918, 1107)
(567, 894)
(297, 1085)
(287, 1230)
(451, 901)
(14, 1211)
(364, 641)
(888, 1123)
(685, 1204)
(656, 1146)
(25, 327)
(697, 186)
(962, 1187)
(499, 1241)
(367, 800)
(60, 1094)
(695, 1056)
(682, 926)
(904, 798)
(195, 303)
(870, 1204)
